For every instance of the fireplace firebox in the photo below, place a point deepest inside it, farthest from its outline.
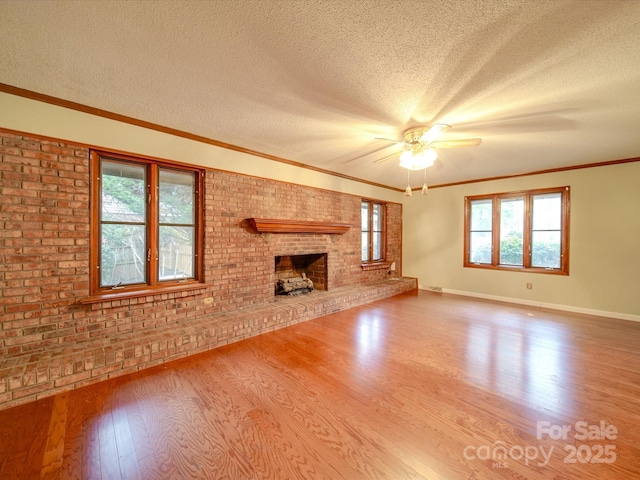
(291, 271)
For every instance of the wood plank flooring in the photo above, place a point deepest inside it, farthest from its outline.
(417, 386)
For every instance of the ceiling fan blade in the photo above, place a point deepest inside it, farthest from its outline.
(465, 142)
(384, 159)
(434, 132)
(379, 150)
(388, 140)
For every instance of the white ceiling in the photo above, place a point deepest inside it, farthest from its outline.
(544, 83)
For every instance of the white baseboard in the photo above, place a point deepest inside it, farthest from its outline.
(554, 306)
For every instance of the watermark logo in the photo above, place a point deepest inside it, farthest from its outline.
(500, 453)
(604, 452)
(601, 448)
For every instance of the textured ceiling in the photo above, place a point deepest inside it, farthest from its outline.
(545, 84)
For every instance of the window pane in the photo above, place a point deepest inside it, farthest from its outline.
(377, 246)
(123, 192)
(373, 225)
(546, 234)
(480, 247)
(123, 255)
(175, 259)
(365, 246)
(547, 211)
(177, 197)
(545, 249)
(365, 217)
(481, 215)
(377, 217)
(511, 231)
(145, 215)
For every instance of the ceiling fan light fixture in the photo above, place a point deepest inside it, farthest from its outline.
(430, 156)
(418, 158)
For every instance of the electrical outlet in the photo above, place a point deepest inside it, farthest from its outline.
(529, 286)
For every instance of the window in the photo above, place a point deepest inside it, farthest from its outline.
(146, 225)
(521, 230)
(373, 231)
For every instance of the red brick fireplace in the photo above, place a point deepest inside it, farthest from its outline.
(51, 340)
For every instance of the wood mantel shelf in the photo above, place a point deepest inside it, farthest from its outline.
(270, 225)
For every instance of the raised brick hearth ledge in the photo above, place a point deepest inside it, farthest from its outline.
(28, 377)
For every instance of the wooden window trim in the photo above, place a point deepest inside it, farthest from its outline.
(153, 286)
(528, 197)
(143, 292)
(379, 263)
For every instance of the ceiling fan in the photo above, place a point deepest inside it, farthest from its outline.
(420, 144)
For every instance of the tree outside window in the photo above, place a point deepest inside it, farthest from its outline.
(520, 230)
(146, 229)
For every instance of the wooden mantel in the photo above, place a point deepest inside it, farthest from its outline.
(270, 225)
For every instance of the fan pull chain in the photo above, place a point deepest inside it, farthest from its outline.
(407, 190)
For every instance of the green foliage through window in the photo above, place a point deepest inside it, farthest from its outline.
(527, 230)
(147, 225)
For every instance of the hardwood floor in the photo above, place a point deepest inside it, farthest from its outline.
(417, 386)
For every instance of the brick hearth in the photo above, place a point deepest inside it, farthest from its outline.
(25, 378)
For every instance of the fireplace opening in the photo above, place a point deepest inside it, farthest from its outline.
(299, 274)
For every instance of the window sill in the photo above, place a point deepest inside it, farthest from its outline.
(506, 268)
(141, 292)
(376, 266)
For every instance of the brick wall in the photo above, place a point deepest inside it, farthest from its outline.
(44, 248)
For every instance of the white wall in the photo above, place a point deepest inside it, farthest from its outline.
(604, 269)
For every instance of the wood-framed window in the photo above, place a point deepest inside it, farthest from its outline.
(146, 226)
(373, 216)
(524, 231)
